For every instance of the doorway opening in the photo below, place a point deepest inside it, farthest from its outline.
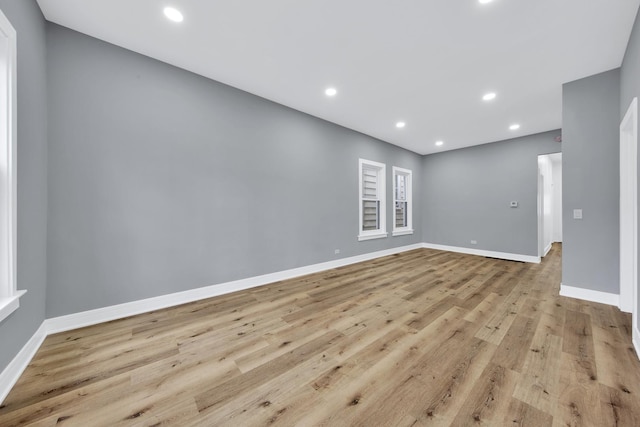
(549, 201)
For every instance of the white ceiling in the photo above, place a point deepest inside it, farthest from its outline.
(425, 62)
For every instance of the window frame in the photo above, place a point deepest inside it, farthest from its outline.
(408, 174)
(9, 294)
(381, 190)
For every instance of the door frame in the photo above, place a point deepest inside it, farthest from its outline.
(629, 216)
(541, 253)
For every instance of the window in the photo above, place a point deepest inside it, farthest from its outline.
(373, 224)
(8, 292)
(402, 208)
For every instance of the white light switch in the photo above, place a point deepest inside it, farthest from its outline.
(577, 214)
(514, 204)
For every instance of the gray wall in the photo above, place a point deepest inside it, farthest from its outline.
(466, 194)
(26, 18)
(591, 182)
(161, 180)
(630, 88)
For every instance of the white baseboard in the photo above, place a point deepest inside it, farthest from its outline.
(547, 249)
(625, 306)
(10, 375)
(480, 252)
(636, 339)
(114, 312)
(589, 295)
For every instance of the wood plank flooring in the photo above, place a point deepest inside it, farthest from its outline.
(423, 338)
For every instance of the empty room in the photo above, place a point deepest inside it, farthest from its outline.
(319, 213)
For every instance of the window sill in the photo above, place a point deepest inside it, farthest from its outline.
(10, 304)
(402, 232)
(372, 236)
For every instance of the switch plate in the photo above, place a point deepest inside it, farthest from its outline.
(577, 214)
(514, 204)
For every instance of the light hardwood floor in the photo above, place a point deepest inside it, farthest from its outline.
(423, 338)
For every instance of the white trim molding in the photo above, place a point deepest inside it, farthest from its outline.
(9, 295)
(629, 211)
(362, 238)
(10, 304)
(481, 252)
(114, 312)
(636, 341)
(10, 375)
(403, 232)
(589, 295)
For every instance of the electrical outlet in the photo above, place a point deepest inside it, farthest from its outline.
(337, 251)
(474, 242)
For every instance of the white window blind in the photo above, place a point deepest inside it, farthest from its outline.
(402, 202)
(372, 200)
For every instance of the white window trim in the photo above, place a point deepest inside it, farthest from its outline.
(382, 231)
(9, 294)
(403, 231)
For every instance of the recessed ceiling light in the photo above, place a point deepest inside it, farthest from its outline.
(173, 14)
(489, 96)
(514, 126)
(484, 1)
(439, 143)
(400, 125)
(331, 91)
